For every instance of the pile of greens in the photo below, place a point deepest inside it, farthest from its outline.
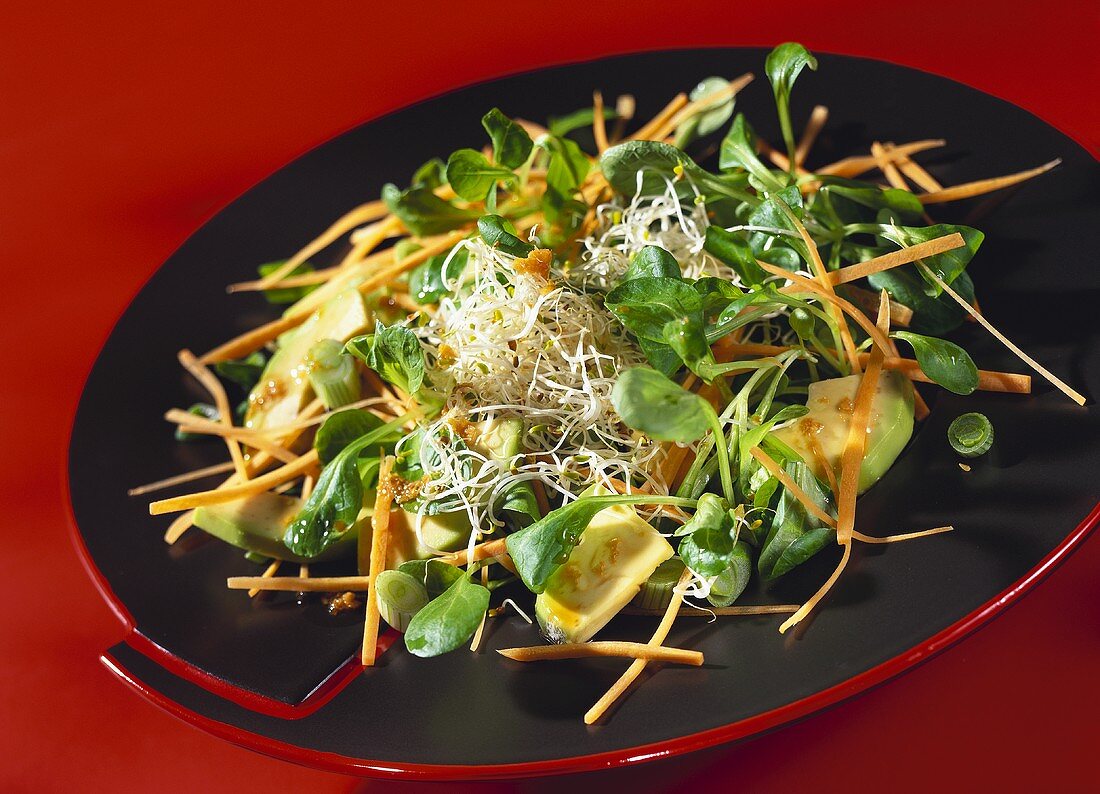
(727, 517)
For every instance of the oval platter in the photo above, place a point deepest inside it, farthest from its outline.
(282, 678)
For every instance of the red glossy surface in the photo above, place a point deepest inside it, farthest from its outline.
(122, 129)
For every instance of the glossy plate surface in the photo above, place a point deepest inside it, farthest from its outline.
(274, 675)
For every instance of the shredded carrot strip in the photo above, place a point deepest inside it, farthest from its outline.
(637, 666)
(221, 495)
(444, 243)
(380, 541)
(774, 470)
(482, 551)
(583, 650)
(854, 166)
(810, 132)
(851, 459)
(362, 246)
(180, 479)
(271, 570)
(780, 160)
(250, 341)
(702, 104)
(887, 167)
(181, 524)
(924, 533)
(361, 214)
(822, 276)
(345, 279)
(915, 172)
(1061, 385)
(624, 109)
(983, 186)
(599, 128)
(295, 584)
(221, 402)
(823, 462)
(894, 259)
(813, 601)
(646, 131)
(868, 302)
(189, 423)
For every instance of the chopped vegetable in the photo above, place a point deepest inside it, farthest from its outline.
(970, 434)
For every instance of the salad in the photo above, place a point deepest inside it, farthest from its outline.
(592, 368)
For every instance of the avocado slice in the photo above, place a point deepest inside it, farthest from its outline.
(257, 524)
(830, 403)
(501, 438)
(284, 387)
(615, 556)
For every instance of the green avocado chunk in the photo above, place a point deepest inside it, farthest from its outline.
(615, 556)
(830, 403)
(284, 388)
(257, 523)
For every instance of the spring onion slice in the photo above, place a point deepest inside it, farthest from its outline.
(332, 374)
(971, 434)
(400, 596)
(656, 593)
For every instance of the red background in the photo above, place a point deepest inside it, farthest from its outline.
(122, 128)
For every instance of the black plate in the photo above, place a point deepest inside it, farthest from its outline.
(476, 714)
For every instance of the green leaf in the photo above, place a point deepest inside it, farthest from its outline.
(947, 265)
(656, 164)
(332, 507)
(341, 429)
(944, 362)
(337, 498)
(931, 315)
(560, 126)
(472, 176)
(660, 356)
(709, 119)
(731, 583)
(717, 294)
(449, 620)
(687, 337)
(646, 305)
(245, 372)
(511, 143)
(519, 506)
(538, 550)
(783, 65)
(436, 576)
(423, 212)
(796, 534)
(203, 410)
(568, 165)
(394, 353)
(739, 151)
(901, 202)
(708, 546)
(734, 251)
(652, 261)
(541, 548)
(283, 295)
(431, 175)
(772, 213)
(500, 234)
(437, 276)
(648, 401)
